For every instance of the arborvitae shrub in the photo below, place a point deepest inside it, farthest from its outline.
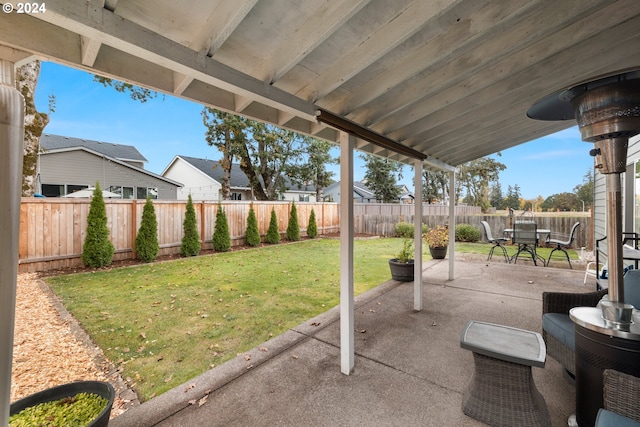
(252, 235)
(190, 238)
(221, 237)
(147, 246)
(312, 228)
(273, 234)
(97, 250)
(293, 230)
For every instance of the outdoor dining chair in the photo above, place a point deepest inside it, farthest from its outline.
(525, 235)
(497, 241)
(563, 245)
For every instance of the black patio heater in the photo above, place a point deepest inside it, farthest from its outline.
(607, 110)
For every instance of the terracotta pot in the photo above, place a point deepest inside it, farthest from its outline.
(402, 271)
(100, 388)
(438, 253)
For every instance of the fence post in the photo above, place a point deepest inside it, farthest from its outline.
(202, 223)
(134, 215)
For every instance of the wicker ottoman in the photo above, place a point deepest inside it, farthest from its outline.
(501, 391)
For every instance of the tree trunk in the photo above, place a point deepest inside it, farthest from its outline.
(34, 124)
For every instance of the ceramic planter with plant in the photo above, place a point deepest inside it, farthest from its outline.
(437, 239)
(402, 266)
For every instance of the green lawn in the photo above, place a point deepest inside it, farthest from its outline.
(165, 323)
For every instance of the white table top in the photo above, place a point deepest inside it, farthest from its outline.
(504, 343)
(627, 252)
(538, 230)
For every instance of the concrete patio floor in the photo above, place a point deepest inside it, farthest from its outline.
(409, 367)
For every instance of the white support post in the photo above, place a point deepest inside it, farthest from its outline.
(347, 321)
(11, 148)
(417, 236)
(452, 224)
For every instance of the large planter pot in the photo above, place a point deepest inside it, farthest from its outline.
(402, 271)
(100, 388)
(438, 253)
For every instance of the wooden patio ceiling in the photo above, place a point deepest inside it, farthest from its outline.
(451, 79)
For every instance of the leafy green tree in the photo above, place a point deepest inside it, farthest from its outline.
(273, 234)
(584, 192)
(561, 202)
(221, 237)
(476, 176)
(97, 250)
(312, 228)
(313, 171)
(293, 229)
(512, 200)
(147, 246)
(252, 234)
(190, 238)
(382, 177)
(496, 199)
(226, 132)
(434, 185)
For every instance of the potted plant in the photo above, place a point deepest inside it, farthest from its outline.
(437, 239)
(402, 266)
(86, 403)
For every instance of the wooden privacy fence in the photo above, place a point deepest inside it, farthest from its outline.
(52, 230)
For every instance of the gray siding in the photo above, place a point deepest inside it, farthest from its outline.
(83, 168)
(599, 218)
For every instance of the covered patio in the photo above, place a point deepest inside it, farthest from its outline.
(409, 367)
(433, 84)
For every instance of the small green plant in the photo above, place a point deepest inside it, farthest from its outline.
(406, 254)
(190, 238)
(273, 234)
(312, 228)
(147, 246)
(467, 233)
(221, 237)
(293, 229)
(97, 250)
(78, 410)
(252, 235)
(437, 237)
(405, 229)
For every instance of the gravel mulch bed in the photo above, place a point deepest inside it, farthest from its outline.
(51, 349)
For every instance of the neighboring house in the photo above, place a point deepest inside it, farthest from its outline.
(202, 178)
(630, 190)
(68, 164)
(362, 194)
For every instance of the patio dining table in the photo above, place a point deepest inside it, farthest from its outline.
(544, 232)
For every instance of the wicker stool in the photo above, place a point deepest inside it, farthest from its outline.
(501, 391)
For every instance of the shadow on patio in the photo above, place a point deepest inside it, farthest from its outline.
(409, 367)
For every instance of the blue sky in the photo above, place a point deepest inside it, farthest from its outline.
(168, 126)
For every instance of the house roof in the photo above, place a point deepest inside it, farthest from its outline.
(450, 79)
(238, 179)
(116, 151)
(111, 159)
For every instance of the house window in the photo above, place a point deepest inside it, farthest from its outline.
(303, 198)
(124, 192)
(71, 188)
(141, 193)
(152, 192)
(236, 196)
(52, 190)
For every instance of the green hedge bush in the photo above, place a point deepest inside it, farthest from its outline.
(293, 229)
(97, 250)
(252, 234)
(147, 246)
(467, 233)
(221, 237)
(405, 229)
(273, 234)
(190, 238)
(312, 228)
